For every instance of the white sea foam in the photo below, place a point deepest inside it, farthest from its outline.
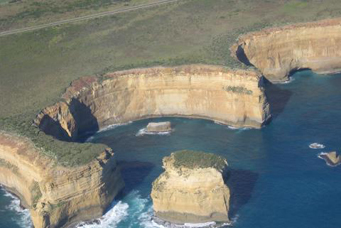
(116, 214)
(239, 128)
(113, 126)
(110, 127)
(24, 218)
(147, 221)
(89, 139)
(232, 127)
(144, 131)
(316, 146)
(291, 79)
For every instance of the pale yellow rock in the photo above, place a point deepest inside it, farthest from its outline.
(278, 51)
(56, 195)
(331, 158)
(191, 194)
(195, 91)
(159, 127)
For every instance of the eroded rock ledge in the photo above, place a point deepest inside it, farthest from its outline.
(192, 189)
(57, 196)
(277, 52)
(197, 91)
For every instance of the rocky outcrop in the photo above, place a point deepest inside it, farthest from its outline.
(196, 91)
(192, 189)
(331, 158)
(57, 196)
(277, 52)
(159, 127)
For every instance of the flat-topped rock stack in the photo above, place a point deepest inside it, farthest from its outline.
(153, 127)
(192, 189)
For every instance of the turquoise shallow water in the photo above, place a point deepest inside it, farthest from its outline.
(276, 179)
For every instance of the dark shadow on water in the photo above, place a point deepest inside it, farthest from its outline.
(277, 98)
(133, 174)
(241, 184)
(297, 70)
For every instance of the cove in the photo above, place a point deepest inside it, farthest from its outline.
(276, 179)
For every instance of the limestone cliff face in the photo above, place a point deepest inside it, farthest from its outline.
(210, 92)
(278, 51)
(190, 195)
(57, 196)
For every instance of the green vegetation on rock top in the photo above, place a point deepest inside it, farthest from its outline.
(196, 159)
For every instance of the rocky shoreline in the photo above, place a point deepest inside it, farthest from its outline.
(62, 196)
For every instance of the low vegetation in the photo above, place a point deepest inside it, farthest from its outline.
(7, 165)
(194, 159)
(22, 13)
(36, 193)
(238, 89)
(36, 67)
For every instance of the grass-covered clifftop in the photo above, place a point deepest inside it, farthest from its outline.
(36, 67)
(197, 159)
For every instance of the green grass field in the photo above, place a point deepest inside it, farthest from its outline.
(36, 67)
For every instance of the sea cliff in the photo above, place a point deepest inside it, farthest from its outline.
(196, 91)
(57, 196)
(277, 52)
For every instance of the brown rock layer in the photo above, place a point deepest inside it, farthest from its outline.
(57, 196)
(210, 92)
(277, 52)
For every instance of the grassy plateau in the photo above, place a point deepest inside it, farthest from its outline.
(36, 67)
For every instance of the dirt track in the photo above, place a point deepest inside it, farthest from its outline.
(83, 18)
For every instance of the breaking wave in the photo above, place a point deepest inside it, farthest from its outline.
(115, 215)
(144, 131)
(110, 127)
(147, 221)
(113, 126)
(291, 79)
(23, 217)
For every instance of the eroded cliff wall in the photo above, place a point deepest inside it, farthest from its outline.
(199, 91)
(191, 195)
(276, 52)
(55, 195)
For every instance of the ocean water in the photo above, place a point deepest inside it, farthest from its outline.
(276, 180)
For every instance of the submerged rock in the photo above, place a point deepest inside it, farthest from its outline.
(192, 189)
(331, 158)
(159, 127)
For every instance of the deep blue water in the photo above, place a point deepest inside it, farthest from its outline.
(276, 180)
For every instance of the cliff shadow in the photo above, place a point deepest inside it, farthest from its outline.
(133, 174)
(241, 56)
(277, 98)
(86, 122)
(52, 127)
(241, 184)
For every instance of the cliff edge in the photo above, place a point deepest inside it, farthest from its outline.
(277, 52)
(192, 189)
(232, 97)
(57, 196)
